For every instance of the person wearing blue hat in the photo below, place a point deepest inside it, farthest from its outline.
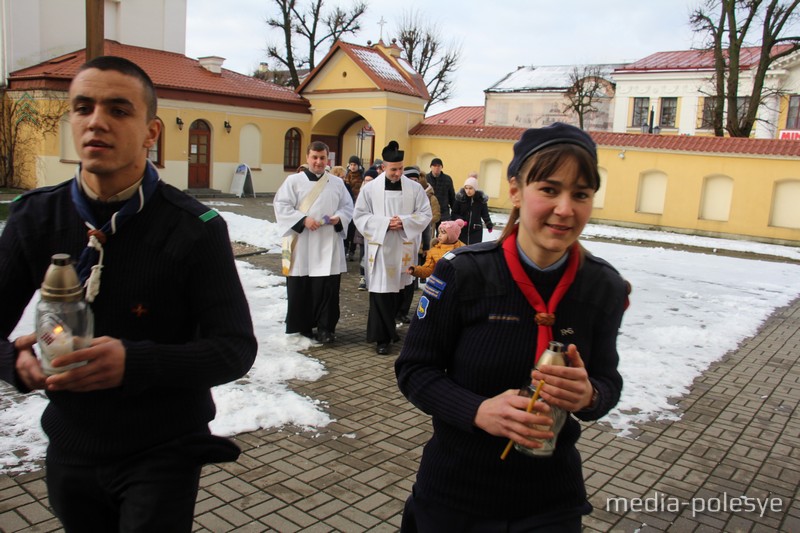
(486, 314)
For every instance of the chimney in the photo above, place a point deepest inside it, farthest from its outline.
(212, 63)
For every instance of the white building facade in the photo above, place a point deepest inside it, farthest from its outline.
(37, 30)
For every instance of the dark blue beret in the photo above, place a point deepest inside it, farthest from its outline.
(535, 139)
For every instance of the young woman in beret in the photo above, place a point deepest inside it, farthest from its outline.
(486, 314)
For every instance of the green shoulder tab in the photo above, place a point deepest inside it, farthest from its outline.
(17, 198)
(208, 215)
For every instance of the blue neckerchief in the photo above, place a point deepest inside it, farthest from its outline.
(90, 255)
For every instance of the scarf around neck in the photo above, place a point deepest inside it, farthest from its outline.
(90, 262)
(545, 312)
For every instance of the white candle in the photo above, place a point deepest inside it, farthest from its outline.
(62, 343)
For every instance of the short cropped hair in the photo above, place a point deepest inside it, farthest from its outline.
(317, 146)
(128, 68)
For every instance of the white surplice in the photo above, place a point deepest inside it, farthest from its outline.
(320, 252)
(391, 252)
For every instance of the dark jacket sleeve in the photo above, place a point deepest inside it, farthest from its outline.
(421, 368)
(485, 211)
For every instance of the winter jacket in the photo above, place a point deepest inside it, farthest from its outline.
(354, 180)
(436, 252)
(435, 209)
(444, 191)
(472, 209)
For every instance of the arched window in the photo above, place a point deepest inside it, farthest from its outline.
(156, 152)
(652, 192)
(785, 199)
(291, 149)
(715, 204)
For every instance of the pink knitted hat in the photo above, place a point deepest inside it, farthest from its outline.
(451, 228)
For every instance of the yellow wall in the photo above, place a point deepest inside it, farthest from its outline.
(340, 73)
(272, 126)
(754, 179)
(752, 186)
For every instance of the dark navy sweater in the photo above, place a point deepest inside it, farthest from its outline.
(473, 338)
(169, 291)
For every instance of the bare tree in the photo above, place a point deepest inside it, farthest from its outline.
(587, 88)
(24, 122)
(306, 30)
(731, 22)
(433, 59)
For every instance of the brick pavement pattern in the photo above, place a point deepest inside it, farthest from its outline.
(738, 435)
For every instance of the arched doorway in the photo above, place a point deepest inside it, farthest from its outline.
(199, 155)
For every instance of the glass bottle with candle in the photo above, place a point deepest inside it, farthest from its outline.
(64, 321)
(553, 355)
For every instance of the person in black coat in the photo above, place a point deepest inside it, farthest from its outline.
(485, 314)
(472, 206)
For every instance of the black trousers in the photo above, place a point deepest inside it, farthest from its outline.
(421, 516)
(151, 492)
(381, 325)
(406, 297)
(312, 302)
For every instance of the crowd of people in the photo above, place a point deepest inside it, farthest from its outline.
(128, 427)
(319, 254)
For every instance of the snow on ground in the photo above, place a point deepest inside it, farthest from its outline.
(687, 311)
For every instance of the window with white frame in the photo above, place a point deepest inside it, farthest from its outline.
(793, 118)
(669, 110)
(640, 108)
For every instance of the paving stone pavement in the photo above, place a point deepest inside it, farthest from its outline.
(731, 463)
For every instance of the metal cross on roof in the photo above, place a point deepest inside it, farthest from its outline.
(381, 23)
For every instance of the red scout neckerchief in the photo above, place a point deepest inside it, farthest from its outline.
(545, 316)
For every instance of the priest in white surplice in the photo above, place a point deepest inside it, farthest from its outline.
(391, 213)
(312, 285)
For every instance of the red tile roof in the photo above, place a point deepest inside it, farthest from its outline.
(692, 60)
(169, 72)
(677, 143)
(380, 68)
(459, 116)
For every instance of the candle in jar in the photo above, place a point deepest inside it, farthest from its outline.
(61, 344)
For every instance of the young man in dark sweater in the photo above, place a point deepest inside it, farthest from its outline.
(128, 431)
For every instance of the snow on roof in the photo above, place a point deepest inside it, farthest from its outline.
(554, 77)
(380, 65)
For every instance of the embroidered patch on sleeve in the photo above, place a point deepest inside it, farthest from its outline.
(433, 293)
(208, 215)
(422, 307)
(436, 283)
(448, 256)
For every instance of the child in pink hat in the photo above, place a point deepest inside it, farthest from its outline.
(447, 241)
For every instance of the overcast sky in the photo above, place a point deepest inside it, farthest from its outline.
(496, 36)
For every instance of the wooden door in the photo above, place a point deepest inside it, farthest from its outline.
(199, 155)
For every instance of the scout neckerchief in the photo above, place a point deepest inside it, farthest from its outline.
(90, 263)
(545, 313)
